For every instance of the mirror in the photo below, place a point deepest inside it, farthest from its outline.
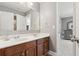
(19, 17)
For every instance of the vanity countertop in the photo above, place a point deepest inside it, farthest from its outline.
(4, 44)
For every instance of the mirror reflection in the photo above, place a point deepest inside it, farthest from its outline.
(19, 17)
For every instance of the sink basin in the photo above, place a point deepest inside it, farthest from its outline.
(19, 38)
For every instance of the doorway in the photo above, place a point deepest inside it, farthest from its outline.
(65, 29)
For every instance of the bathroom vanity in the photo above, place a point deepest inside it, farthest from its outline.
(26, 47)
(15, 23)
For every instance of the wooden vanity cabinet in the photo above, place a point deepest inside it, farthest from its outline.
(38, 47)
(30, 49)
(46, 46)
(1, 52)
(17, 50)
(42, 46)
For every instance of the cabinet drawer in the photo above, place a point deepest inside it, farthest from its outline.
(31, 44)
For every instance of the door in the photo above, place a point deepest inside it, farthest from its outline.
(66, 44)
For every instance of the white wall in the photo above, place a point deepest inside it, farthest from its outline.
(21, 23)
(28, 20)
(48, 21)
(35, 20)
(6, 21)
(35, 16)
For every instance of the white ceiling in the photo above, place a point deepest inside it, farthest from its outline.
(22, 7)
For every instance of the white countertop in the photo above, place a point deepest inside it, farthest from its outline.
(30, 37)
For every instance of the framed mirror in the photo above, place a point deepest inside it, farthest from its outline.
(19, 17)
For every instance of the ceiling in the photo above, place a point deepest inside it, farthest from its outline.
(19, 6)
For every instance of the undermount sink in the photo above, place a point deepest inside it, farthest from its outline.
(19, 38)
(22, 37)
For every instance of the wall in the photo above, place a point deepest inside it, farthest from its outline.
(21, 23)
(6, 21)
(35, 20)
(48, 21)
(35, 16)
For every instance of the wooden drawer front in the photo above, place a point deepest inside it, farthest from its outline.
(40, 41)
(30, 44)
(14, 49)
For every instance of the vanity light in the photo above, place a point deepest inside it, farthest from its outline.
(31, 3)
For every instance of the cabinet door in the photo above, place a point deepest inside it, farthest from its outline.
(6, 21)
(15, 53)
(40, 50)
(21, 53)
(31, 51)
(1, 52)
(17, 50)
(46, 46)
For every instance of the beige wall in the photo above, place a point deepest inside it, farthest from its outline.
(48, 21)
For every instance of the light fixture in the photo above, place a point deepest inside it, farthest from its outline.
(30, 3)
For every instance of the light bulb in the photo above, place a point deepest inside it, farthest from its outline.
(30, 3)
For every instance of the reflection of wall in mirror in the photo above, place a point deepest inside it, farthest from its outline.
(28, 22)
(35, 20)
(6, 21)
(21, 23)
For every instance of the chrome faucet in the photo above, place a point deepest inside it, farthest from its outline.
(16, 37)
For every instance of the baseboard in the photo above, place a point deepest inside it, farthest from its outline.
(51, 53)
